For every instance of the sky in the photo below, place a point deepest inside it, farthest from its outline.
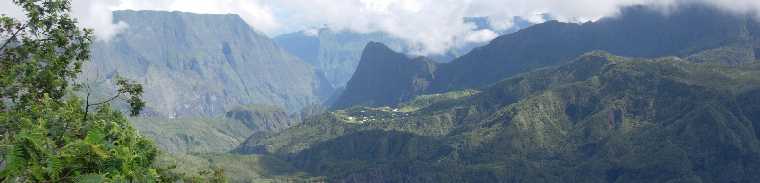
(429, 26)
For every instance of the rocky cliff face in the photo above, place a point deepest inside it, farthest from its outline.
(385, 77)
(694, 31)
(203, 65)
(334, 53)
(337, 53)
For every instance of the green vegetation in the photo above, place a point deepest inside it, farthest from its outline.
(729, 55)
(262, 118)
(424, 101)
(197, 146)
(600, 118)
(702, 33)
(239, 168)
(49, 135)
(193, 135)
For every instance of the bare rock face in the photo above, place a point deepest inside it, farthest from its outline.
(337, 53)
(385, 77)
(334, 53)
(203, 65)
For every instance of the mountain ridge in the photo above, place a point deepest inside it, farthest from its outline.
(334, 53)
(404, 74)
(639, 31)
(599, 118)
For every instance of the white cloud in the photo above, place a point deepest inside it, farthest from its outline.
(259, 15)
(313, 32)
(433, 26)
(430, 26)
(481, 36)
(96, 14)
(8, 8)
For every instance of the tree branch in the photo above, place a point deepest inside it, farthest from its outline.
(106, 101)
(87, 103)
(12, 37)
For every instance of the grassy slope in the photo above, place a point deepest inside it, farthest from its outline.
(195, 144)
(238, 168)
(197, 135)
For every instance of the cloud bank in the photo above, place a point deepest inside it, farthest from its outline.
(94, 14)
(429, 26)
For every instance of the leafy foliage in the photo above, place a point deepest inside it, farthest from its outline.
(133, 92)
(54, 144)
(40, 56)
(48, 134)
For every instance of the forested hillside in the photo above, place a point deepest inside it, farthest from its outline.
(599, 118)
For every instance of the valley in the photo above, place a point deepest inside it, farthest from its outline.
(380, 92)
(505, 112)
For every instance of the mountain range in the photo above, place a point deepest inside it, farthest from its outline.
(643, 96)
(638, 31)
(334, 53)
(337, 53)
(597, 118)
(541, 105)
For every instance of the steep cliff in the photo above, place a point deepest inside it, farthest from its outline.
(203, 65)
(334, 53)
(385, 77)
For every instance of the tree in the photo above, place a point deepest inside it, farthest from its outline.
(48, 133)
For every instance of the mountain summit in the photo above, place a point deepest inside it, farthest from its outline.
(385, 77)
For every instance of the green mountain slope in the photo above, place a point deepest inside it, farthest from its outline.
(203, 65)
(184, 135)
(194, 144)
(600, 118)
(212, 134)
(239, 168)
